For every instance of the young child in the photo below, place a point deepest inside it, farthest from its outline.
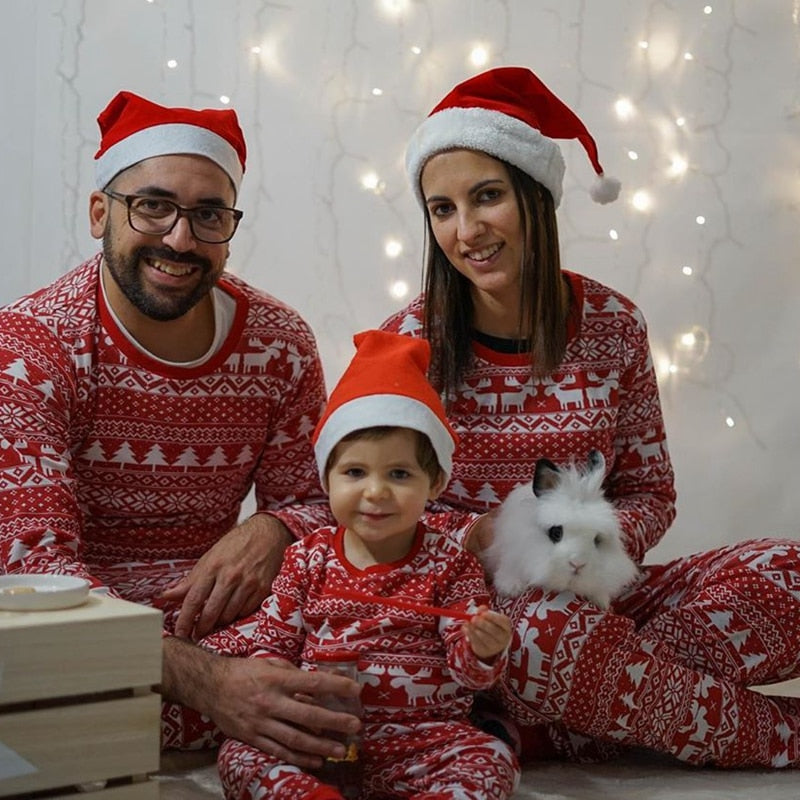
(359, 591)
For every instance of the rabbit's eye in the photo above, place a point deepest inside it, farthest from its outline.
(598, 540)
(555, 533)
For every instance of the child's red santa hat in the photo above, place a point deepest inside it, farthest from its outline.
(133, 129)
(510, 114)
(385, 384)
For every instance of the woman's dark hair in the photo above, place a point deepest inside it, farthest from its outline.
(448, 309)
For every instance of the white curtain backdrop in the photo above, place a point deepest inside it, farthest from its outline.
(696, 108)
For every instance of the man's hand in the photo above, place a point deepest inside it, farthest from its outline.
(232, 578)
(267, 703)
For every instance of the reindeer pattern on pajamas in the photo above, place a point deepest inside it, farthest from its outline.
(668, 668)
(417, 671)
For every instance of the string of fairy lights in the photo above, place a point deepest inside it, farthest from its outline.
(688, 347)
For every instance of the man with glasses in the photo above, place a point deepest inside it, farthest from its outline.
(144, 393)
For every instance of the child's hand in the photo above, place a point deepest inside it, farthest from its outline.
(488, 633)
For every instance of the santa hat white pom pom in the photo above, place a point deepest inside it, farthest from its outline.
(605, 190)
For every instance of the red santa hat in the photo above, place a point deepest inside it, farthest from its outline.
(385, 384)
(133, 129)
(510, 114)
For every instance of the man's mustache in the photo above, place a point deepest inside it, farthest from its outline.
(168, 254)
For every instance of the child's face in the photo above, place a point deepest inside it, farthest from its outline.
(377, 489)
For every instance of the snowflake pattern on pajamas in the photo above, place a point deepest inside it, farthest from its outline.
(417, 671)
(670, 668)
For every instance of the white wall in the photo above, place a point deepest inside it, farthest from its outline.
(315, 237)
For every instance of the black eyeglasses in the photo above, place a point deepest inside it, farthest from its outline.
(156, 216)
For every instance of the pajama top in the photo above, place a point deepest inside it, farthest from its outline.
(603, 396)
(413, 666)
(120, 468)
(668, 667)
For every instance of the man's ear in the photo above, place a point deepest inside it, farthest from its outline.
(99, 209)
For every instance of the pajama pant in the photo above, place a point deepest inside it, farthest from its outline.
(427, 760)
(666, 669)
(671, 674)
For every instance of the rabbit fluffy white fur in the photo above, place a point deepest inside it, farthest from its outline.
(560, 533)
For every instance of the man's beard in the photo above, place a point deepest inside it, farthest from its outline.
(165, 307)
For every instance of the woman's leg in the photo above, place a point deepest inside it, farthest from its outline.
(572, 663)
(734, 612)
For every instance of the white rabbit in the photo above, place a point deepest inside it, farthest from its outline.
(560, 533)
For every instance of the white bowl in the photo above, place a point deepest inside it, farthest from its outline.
(49, 591)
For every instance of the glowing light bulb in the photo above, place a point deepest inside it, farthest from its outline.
(687, 56)
(269, 56)
(633, 155)
(678, 166)
(393, 248)
(372, 182)
(377, 92)
(664, 366)
(416, 50)
(707, 9)
(224, 99)
(369, 180)
(730, 422)
(624, 108)
(395, 7)
(700, 219)
(612, 234)
(172, 63)
(687, 270)
(692, 346)
(641, 200)
(398, 290)
(643, 45)
(680, 121)
(479, 55)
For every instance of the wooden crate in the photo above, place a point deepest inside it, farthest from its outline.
(77, 704)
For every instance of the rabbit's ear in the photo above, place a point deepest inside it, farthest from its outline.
(595, 470)
(595, 461)
(545, 477)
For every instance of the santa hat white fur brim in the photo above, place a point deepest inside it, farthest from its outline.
(380, 410)
(168, 139)
(492, 132)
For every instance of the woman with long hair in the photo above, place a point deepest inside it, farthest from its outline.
(535, 361)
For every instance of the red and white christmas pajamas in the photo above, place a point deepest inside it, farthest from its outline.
(668, 667)
(123, 469)
(417, 671)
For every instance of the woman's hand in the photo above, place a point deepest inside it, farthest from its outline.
(480, 535)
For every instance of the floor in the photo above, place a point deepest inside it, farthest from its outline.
(648, 780)
(193, 776)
